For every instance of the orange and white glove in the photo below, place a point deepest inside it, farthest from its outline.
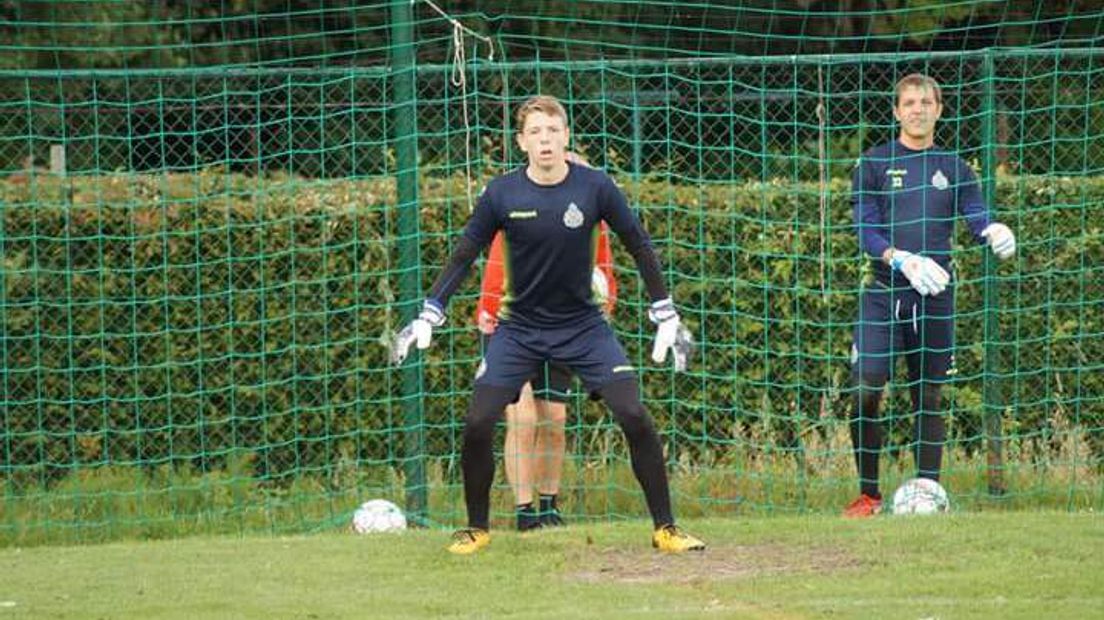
(486, 322)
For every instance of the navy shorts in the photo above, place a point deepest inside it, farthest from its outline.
(895, 322)
(516, 354)
(551, 382)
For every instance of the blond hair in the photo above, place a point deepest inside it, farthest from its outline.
(541, 103)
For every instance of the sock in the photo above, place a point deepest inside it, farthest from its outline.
(527, 517)
(547, 503)
(549, 514)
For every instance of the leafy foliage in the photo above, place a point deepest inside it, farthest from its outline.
(179, 319)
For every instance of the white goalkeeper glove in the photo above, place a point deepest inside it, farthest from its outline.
(924, 274)
(671, 335)
(1001, 240)
(419, 331)
(599, 287)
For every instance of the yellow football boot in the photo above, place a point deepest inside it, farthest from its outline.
(469, 540)
(671, 539)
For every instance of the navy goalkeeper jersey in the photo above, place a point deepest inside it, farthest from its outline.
(550, 235)
(910, 199)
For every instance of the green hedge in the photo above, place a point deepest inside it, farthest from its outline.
(183, 318)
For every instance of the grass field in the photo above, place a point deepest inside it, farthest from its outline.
(981, 565)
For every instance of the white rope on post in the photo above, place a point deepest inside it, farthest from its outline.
(822, 121)
(459, 79)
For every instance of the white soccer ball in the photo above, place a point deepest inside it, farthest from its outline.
(920, 496)
(378, 515)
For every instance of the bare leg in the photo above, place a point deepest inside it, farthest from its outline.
(520, 449)
(550, 444)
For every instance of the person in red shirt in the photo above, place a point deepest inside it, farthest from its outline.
(535, 435)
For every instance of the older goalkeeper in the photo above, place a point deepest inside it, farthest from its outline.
(907, 195)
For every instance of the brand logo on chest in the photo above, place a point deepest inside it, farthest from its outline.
(896, 177)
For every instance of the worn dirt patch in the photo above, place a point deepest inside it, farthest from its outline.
(715, 563)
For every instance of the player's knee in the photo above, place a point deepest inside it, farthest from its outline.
(623, 399)
(930, 397)
(869, 380)
(634, 421)
(521, 434)
(487, 405)
(867, 397)
(521, 414)
(478, 430)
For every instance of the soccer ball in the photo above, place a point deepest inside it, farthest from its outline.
(920, 496)
(378, 515)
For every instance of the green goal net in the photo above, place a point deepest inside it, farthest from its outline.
(213, 216)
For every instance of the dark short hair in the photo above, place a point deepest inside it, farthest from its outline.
(918, 80)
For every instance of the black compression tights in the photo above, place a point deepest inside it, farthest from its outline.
(623, 399)
(866, 433)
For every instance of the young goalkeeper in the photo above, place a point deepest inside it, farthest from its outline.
(535, 436)
(549, 212)
(906, 196)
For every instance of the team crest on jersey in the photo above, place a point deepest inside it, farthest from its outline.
(940, 181)
(573, 217)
